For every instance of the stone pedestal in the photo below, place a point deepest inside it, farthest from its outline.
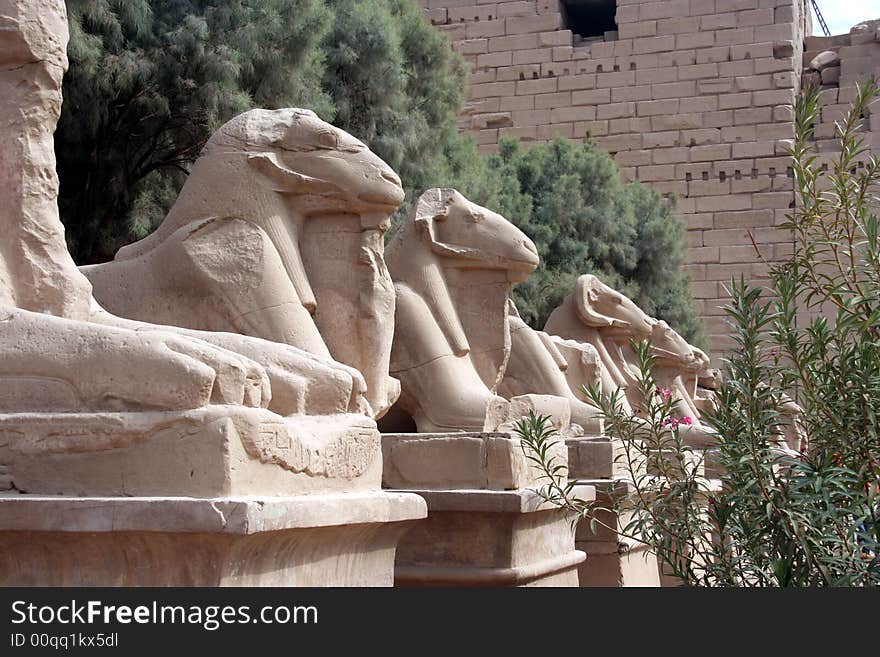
(611, 559)
(455, 461)
(223, 496)
(594, 457)
(489, 538)
(333, 539)
(486, 526)
(214, 452)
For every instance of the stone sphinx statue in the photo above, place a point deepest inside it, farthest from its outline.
(604, 318)
(55, 356)
(277, 234)
(708, 383)
(453, 264)
(583, 367)
(600, 316)
(677, 366)
(94, 404)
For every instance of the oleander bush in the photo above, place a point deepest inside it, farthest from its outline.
(775, 517)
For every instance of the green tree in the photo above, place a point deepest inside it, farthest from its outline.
(148, 83)
(396, 84)
(150, 80)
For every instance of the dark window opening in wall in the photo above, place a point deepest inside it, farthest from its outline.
(589, 18)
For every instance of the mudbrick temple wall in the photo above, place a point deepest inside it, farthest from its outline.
(692, 97)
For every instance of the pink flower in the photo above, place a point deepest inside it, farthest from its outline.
(674, 423)
(665, 393)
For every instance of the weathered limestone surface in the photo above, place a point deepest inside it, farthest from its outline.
(277, 234)
(465, 359)
(36, 271)
(454, 263)
(61, 352)
(597, 315)
(319, 540)
(212, 452)
(470, 461)
(486, 525)
(537, 365)
(489, 538)
(607, 320)
(57, 352)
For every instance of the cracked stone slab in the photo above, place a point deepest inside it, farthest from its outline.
(231, 515)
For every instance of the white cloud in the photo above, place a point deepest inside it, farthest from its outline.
(841, 15)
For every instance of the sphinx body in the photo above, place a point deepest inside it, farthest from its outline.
(39, 279)
(95, 404)
(601, 317)
(277, 234)
(466, 360)
(705, 383)
(453, 264)
(677, 367)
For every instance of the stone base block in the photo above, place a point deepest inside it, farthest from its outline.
(591, 458)
(473, 461)
(217, 451)
(603, 458)
(310, 540)
(613, 560)
(596, 457)
(489, 538)
(618, 568)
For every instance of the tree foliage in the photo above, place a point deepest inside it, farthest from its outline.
(395, 83)
(150, 80)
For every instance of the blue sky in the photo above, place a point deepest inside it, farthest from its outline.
(841, 15)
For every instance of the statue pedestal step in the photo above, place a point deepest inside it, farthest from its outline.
(489, 538)
(485, 527)
(335, 539)
(453, 461)
(613, 560)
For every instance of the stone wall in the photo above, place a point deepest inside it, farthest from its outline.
(838, 64)
(693, 97)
